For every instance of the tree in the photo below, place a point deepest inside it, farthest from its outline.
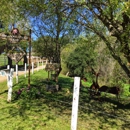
(48, 21)
(82, 57)
(44, 47)
(106, 19)
(10, 16)
(110, 16)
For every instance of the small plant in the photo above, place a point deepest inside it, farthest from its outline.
(27, 93)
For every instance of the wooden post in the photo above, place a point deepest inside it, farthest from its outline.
(75, 103)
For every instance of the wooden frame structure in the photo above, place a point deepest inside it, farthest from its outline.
(15, 37)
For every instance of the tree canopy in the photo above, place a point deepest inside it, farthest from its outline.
(56, 19)
(82, 57)
(107, 19)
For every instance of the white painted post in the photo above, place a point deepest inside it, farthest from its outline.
(74, 116)
(10, 84)
(25, 67)
(8, 77)
(16, 73)
(8, 67)
(32, 67)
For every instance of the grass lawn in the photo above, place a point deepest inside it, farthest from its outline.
(37, 109)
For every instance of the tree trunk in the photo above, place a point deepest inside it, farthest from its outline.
(10, 62)
(57, 73)
(114, 55)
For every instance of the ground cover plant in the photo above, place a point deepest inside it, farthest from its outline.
(38, 109)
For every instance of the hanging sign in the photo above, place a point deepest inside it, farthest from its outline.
(16, 54)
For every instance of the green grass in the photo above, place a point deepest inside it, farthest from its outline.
(52, 111)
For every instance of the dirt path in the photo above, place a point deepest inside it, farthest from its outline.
(3, 78)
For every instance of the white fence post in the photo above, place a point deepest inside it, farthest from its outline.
(16, 73)
(74, 116)
(8, 67)
(9, 74)
(10, 84)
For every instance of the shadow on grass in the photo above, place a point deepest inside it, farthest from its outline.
(4, 92)
(57, 102)
(60, 103)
